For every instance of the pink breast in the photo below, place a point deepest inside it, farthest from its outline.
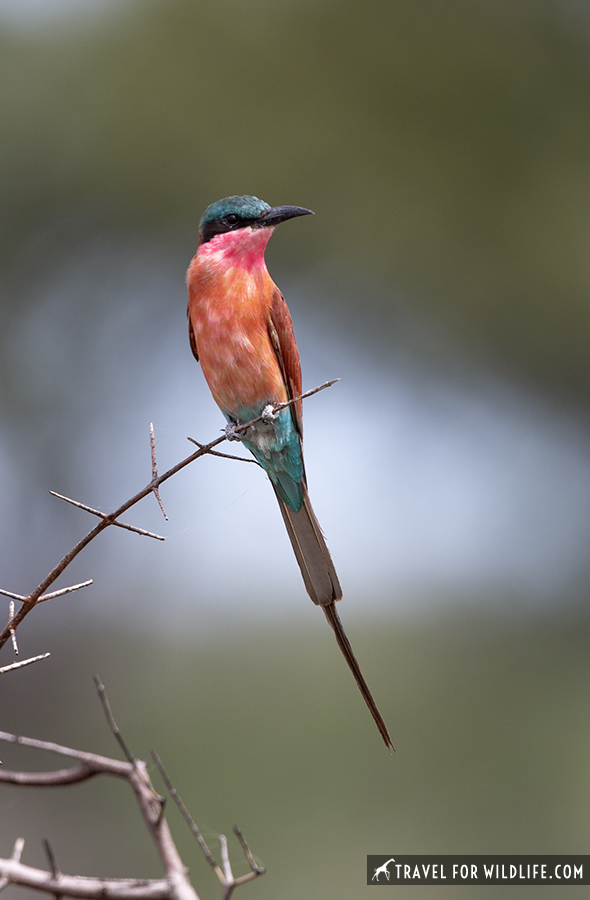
(230, 293)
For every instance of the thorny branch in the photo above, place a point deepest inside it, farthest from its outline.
(225, 874)
(176, 884)
(106, 519)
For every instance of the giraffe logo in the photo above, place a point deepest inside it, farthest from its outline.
(383, 869)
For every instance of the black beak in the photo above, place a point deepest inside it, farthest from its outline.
(281, 214)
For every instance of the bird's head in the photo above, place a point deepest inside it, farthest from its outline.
(233, 213)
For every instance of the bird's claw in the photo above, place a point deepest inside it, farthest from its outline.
(269, 414)
(230, 432)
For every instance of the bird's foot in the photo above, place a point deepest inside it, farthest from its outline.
(230, 432)
(269, 414)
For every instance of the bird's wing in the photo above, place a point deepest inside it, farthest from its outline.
(280, 330)
(192, 338)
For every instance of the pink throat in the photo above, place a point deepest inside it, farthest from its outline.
(244, 248)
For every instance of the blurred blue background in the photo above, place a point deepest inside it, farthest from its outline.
(445, 277)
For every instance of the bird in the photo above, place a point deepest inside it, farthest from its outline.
(241, 332)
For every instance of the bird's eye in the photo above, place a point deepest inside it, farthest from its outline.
(231, 219)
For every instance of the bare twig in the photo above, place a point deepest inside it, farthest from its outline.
(66, 590)
(90, 764)
(97, 512)
(23, 662)
(52, 595)
(306, 394)
(187, 816)
(155, 490)
(225, 874)
(223, 455)
(259, 870)
(83, 887)
(102, 696)
(30, 601)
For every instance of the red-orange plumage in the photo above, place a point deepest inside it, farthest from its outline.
(231, 305)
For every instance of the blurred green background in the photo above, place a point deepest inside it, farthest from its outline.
(445, 149)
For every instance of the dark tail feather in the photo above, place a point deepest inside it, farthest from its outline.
(313, 556)
(344, 644)
(321, 582)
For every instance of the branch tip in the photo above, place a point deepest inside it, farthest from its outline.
(66, 590)
(258, 870)
(229, 875)
(102, 695)
(17, 852)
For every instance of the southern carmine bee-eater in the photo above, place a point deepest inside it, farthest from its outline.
(240, 330)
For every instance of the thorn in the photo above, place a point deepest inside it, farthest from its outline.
(155, 489)
(51, 859)
(17, 852)
(222, 455)
(66, 590)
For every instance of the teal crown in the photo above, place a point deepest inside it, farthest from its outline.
(246, 208)
(232, 213)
